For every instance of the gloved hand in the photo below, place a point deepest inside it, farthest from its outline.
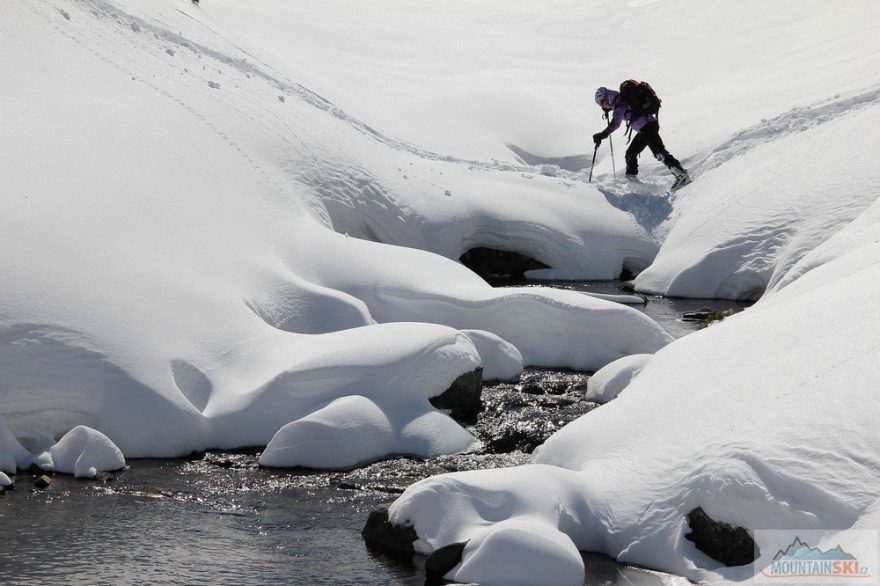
(598, 137)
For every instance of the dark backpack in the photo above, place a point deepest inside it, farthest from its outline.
(641, 97)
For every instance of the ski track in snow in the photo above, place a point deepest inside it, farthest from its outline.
(795, 120)
(649, 203)
(130, 23)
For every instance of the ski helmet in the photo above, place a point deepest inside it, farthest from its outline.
(601, 94)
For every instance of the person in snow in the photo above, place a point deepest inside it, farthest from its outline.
(647, 130)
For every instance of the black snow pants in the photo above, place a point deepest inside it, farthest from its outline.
(648, 136)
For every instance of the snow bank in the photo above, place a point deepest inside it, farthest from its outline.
(760, 433)
(612, 378)
(765, 200)
(862, 231)
(181, 278)
(501, 360)
(84, 452)
(5, 480)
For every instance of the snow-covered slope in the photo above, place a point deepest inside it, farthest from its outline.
(767, 197)
(170, 272)
(766, 421)
(238, 224)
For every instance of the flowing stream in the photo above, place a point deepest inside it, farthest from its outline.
(220, 519)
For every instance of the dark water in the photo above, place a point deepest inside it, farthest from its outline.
(668, 312)
(220, 519)
(192, 522)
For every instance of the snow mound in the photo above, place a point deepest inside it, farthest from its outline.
(347, 432)
(516, 552)
(515, 520)
(84, 452)
(612, 378)
(354, 430)
(501, 360)
(5, 480)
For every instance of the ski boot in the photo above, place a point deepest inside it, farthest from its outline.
(682, 178)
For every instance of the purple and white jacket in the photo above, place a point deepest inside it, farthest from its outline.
(619, 105)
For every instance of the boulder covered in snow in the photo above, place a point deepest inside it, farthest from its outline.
(355, 430)
(501, 360)
(84, 452)
(611, 379)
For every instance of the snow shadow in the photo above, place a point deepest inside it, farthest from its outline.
(649, 210)
(572, 163)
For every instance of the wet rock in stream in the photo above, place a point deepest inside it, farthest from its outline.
(380, 534)
(515, 419)
(462, 399)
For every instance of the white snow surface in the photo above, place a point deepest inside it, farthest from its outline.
(611, 379)
(238, 223)
(5, 480)
(775, 197)
(501, 359)
(199, 249)
(12, 454)
(84, 453)
(760, 432)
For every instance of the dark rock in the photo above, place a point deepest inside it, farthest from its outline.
(500, 266)
(627, 287)
(2, 490)
(463, 397)
(531, 388)
(381, 535)
(442, 561)
(626, 275)
(699, 314)
(707, 314)
(730, 545)
(43, 481)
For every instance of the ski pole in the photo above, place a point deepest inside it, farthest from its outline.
(595, 150)
(613, 167)
(611, 143)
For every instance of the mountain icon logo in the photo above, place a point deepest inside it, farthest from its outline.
(798, 550)
(800, 560)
